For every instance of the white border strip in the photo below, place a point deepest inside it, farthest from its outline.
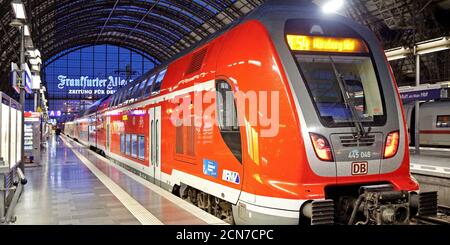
(135, 208)
(431, 149)
(198, 87)
(197, 212)
(436, 170)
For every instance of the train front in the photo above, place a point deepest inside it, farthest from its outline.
(351, 121)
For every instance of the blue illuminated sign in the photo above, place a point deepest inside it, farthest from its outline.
(210, 168)
(27, 78)
(89, 85)
(54, 113)
(27, 86)
(430, 94)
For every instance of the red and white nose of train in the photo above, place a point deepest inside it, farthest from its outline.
(349, 110)
(350, 117)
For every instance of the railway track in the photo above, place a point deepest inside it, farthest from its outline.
(442, 217)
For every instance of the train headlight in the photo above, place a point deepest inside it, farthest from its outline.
(391, 146)
(321, 147)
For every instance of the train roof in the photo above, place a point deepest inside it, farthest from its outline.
(94, 107)
(257, 13)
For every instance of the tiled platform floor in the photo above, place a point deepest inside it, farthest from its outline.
(431, 161)
(64, 191)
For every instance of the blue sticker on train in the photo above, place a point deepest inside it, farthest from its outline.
(210, 168)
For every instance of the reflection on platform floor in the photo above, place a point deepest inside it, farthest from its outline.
(431, 161)
(74, 185)
(63, 191)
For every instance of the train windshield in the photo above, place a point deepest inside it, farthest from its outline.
(359, 85)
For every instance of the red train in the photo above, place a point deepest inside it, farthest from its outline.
(313, 131)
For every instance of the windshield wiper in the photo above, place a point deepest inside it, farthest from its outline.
(349, 101)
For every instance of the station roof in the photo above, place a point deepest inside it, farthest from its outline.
(160, 29)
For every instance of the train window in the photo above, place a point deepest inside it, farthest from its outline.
(111, 102)
(134, 145)
(157, 86)
(190, 138)
(227, 118)
(128, 94)
(226, 108)
(118, 94)
(141, 88)
(122, 97)
(116, 98)
(135, 89)
(185, 138)
(128, 144)
(179, 148)
(141, 145)
(149, 85)
(122, 143)
(443, 121)
(323, 75)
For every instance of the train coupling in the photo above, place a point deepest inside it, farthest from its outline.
(382, 205)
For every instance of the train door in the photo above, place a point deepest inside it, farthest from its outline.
(108, 136)
(155, 144)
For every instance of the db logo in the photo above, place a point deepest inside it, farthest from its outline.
(360, 168)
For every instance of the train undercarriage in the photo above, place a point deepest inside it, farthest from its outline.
(211, 204)
(369, 205)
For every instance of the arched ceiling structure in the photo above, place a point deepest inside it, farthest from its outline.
(160, 29)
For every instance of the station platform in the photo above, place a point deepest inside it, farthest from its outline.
(74, 185)
(431, 161)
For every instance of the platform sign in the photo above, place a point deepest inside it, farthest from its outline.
(14, 76)
(430, 94)
(54, 113)
(32, 116)
(36, 82)
(27, 77)
(86, 85)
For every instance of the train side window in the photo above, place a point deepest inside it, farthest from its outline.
(179, 149)
(135, 90)
(226, 107)
(121, 98)
(118, 93)
(128, 144)
(185, 138)
(149, 85)
(140, 92)
(443, 121)
(227, 118)
(134, 145)
(116, 98)
(190, 138)
(122, 143)
(113, 99)
(141, 149)
(116, 102)
(157, 86)
(128, 95)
